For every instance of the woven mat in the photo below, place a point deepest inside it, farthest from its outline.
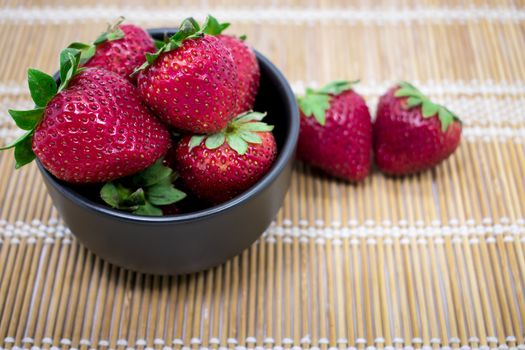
(434, 260)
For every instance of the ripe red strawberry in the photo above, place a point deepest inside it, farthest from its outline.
(191, 81)
(336, 131)
(247, 71)
(411, 133)
(95, 129)
(247, 66)
(229, 162)
(120, 49)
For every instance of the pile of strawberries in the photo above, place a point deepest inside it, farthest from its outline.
(145, 118)
(140, 116)
(410, 132)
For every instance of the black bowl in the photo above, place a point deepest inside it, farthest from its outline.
(196, 241)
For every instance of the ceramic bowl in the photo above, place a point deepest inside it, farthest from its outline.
(196, 241)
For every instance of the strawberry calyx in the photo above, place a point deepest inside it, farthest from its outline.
(143, 193)
(415, 98)
(239, 133)
(213, 27)
(188, 29)
(112, 33)
(42, 88)
(317, 102)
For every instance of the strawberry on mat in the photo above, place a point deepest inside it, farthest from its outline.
(336, 131)
(412, 133)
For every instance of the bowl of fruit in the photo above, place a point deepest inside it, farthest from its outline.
(165, 151)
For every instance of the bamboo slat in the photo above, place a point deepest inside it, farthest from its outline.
(433, 261)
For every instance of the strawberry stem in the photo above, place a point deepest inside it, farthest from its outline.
(317, 102)
(113, 32)
(239, 133)
(188, 29)
(415, 98)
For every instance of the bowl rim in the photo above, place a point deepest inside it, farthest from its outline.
(283, 157)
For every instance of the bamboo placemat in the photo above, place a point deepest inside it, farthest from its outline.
(434, 260)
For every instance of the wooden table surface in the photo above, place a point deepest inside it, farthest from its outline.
(434, 260)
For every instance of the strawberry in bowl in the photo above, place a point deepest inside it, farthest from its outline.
(104, 148)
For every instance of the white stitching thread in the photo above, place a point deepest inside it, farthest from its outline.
(511, 232)
(275, 14)
(486, 134)
(435, 88)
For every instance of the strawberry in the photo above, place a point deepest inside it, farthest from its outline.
(90, 129)
(245, 61)
(338, 139)
(191, 81)
(411, 133)
(120, 49)
(218, 167)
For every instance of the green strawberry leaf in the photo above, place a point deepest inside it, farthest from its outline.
(195, 141)
(159, 43)
(27, 120)
(428, 108)
(17, 141)
(404, 92)
(446, 117)
(148, 209)
(24, 151)
(243, 37)
(42, 86)
(215, 140)
(146, 190)
(250, 137)
(255, 126)
(69, 62)
(249, 116)
(237, 143)
(407, 85)
(110, 195)
(317, 102)
(86, 51)
(105, 37)
(238, 134)
(163, 194)
(152, 175)
(134, 199)
(119, 197)
(316, 105)
(413, 102)
(338, 86)
(113, 32)
(212, 26)
(188, 26)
